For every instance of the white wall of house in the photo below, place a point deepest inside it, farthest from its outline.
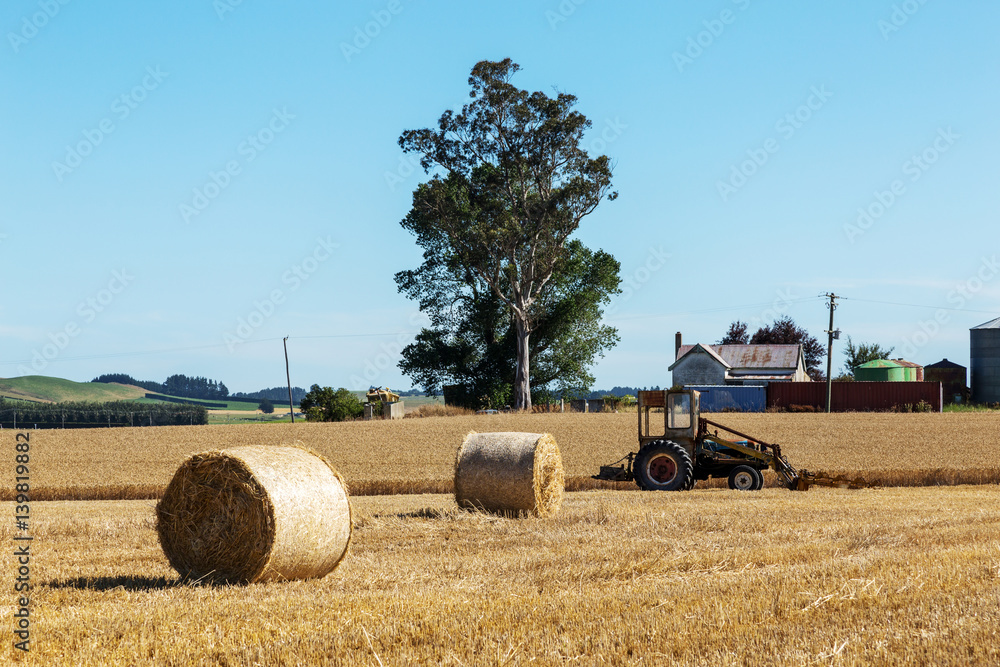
(696, 367)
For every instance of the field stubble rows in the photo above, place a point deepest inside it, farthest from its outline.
(719, 577)
(417, 455)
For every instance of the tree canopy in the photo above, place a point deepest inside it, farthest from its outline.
(862, 353)
(510, 184)
(325, 404)
(783, 331)
(737, 334)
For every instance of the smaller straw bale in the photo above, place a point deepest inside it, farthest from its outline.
(252, 514)
(509, 473)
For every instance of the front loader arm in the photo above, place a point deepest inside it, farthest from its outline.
(771, 455)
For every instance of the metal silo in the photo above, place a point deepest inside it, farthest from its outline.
(985, 366)
(911, 372)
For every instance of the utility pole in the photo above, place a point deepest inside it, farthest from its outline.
(288, 376)
(831, 334)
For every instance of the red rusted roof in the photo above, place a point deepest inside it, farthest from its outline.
(767, 356)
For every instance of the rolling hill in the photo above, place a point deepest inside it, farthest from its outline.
(58, 390)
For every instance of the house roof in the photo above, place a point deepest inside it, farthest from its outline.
(765, 356)
(706, 349)
(992, 324)
(944, 363)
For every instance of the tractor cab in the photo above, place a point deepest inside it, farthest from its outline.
(680, 411)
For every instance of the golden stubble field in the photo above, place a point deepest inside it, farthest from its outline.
(414, 455)
(895, 576)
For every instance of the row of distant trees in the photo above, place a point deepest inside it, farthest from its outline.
(203, 388)
(175, 385)
(273, 394)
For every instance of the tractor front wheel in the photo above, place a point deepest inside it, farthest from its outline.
(663, 465)
(745, 478)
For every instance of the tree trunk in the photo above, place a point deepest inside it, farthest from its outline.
(522, 383)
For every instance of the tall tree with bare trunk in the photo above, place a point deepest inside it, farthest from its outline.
(509, 185)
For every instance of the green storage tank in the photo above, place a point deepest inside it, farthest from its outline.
(880, 370)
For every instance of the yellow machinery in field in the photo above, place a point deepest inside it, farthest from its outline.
(685, 450)
(384, 395)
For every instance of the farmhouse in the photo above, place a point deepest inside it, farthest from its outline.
(703, 364)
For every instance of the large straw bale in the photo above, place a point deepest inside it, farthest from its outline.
(251, 514)
(509, 473)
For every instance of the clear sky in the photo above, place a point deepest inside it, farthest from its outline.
(184, 184)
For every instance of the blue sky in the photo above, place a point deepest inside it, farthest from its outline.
(184, 184)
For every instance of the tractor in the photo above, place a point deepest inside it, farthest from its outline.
(685, 449)
(386, 395)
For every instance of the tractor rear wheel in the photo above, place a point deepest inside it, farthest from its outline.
(663, 465)
(745, 478)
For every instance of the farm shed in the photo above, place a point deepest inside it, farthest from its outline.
(745, 398)
(952, 377)
(985, 362)
(738, 364)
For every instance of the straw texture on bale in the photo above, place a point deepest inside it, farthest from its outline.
(509, 473)
(252, 514)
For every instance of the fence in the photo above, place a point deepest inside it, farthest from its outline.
(854, 396)
(49, 416)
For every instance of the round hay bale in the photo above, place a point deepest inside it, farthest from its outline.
(251, 514)
(509, 473)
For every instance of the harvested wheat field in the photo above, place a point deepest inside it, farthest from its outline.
(418, 455)
(897, 576)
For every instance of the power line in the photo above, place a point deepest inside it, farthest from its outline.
(721, 309)
(918, 305)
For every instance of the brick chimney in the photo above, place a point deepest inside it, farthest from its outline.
(677, 344)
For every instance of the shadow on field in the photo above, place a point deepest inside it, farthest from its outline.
(129, 583)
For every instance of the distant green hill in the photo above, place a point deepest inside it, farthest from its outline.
(58, 390)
